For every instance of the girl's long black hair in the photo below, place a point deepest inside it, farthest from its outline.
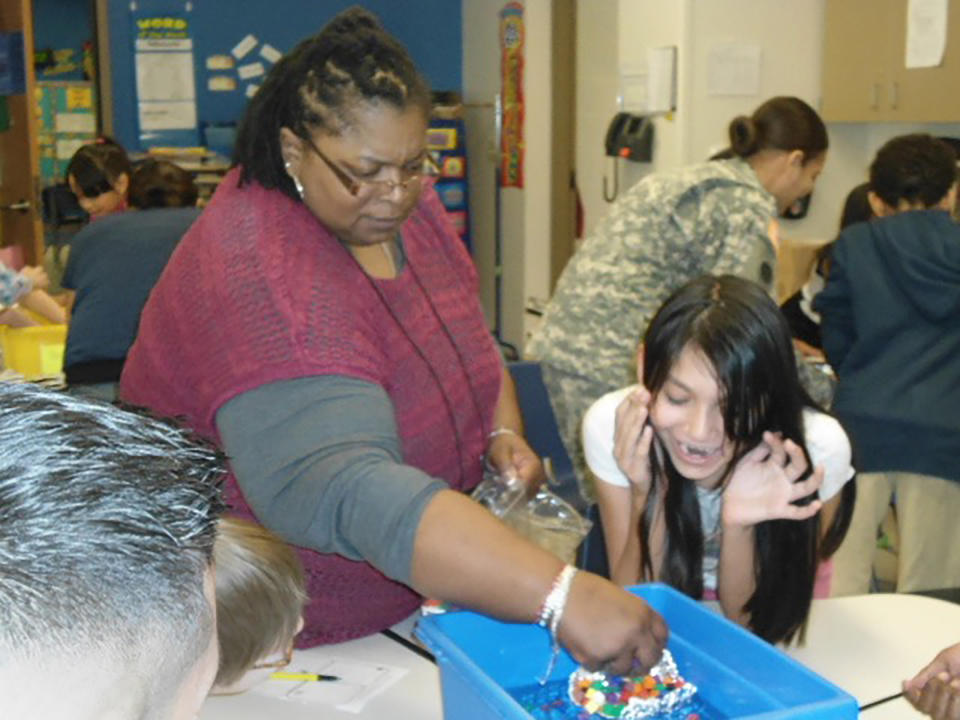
(744, 337)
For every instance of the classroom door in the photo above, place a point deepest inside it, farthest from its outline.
(20, 219)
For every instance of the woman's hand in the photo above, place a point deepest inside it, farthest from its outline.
(509, 454)
(935, 690)
(764, 484)
(607, 628)
(632, 438)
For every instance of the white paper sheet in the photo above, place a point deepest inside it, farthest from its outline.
(164, 75)
(75, 123)
(661, 85)
(244, 46)
(250, 71)
(733, 69)
(270, 53)
(167, 115)
(633, 91)
(166, 94)
(359, 682)
(926, 32)
(220, 62)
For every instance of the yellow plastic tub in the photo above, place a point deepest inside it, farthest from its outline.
(35, 352)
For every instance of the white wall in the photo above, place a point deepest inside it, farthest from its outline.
(538, 130)
(481, 83)
(790, 35)
(596, 101)
(650, 24)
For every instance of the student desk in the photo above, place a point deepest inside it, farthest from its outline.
(416, 696)
(866, 644)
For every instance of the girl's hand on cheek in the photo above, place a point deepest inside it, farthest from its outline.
(764, 485)
(632, 438)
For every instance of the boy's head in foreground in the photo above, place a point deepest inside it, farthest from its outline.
(107, 525)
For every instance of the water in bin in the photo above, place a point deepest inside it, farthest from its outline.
(545, 519)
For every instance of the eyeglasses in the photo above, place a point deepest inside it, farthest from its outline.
(275, 664)
(365, 188)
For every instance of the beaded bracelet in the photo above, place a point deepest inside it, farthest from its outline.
(552, 611)
(495, 433)
(501, 431)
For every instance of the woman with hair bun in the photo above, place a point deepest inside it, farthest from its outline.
(714, 217)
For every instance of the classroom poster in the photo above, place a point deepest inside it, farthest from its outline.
(511, 93)
(166, 91)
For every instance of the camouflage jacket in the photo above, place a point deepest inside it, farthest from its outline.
(669, 228)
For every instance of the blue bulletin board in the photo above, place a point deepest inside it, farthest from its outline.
(234, 45)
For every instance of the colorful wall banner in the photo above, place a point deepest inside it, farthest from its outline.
(511, 93)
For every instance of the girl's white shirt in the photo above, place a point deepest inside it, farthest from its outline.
(826, 442)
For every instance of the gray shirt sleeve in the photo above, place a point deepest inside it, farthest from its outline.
(319, 462)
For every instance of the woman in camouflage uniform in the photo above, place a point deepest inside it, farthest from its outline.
(714, 217)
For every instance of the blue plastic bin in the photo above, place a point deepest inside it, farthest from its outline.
(738, 675)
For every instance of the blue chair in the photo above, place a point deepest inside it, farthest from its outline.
(540, 426)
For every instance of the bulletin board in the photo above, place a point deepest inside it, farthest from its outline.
(231, 47)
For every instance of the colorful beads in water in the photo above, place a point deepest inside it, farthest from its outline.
(631, 697)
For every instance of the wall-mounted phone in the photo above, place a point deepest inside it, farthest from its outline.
(631, 137)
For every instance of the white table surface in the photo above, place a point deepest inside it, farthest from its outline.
(869, 644)
(865, 644)
(416, 696)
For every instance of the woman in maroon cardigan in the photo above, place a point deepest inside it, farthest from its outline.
(321, 321)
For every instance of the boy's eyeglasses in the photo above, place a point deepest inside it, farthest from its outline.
(276, 664)
(367, 188)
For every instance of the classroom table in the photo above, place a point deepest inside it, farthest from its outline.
(865, 644)
(415, 696)
(868, 644)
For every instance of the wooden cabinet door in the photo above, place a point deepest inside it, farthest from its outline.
(855, 49)
(924, 95)
(20, 222)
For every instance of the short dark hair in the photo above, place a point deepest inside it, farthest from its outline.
(107, 523)
(96, 166)
(317, 86)
(916, 168)
(160, 183)
(781, 123)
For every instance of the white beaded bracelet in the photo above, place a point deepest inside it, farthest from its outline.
(496, 432)
(552, 611)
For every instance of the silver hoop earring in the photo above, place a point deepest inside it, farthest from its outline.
(296, 181)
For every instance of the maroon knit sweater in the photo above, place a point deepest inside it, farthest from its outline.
(259, 291)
